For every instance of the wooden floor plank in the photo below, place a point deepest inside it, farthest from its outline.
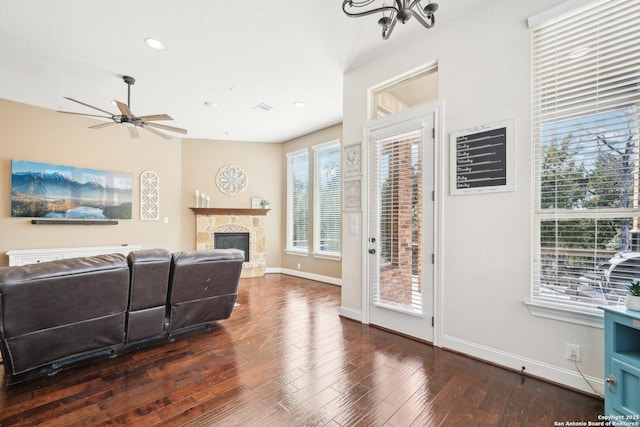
(285, 358)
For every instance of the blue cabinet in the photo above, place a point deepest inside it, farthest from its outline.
(622, 362)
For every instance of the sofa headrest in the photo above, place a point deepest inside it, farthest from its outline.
(60, 268)
(149, 255)
(191, 257)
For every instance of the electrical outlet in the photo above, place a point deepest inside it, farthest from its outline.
(574, 352)
(298, 266)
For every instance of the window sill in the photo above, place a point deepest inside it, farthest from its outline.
(296, 252)
(585, 317)
(327, 255)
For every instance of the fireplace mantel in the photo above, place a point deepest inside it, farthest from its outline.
(229, 211)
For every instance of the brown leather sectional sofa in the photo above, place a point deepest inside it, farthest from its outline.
(61, 313)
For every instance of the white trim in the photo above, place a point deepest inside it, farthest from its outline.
(312, 276)
(560, 9)
(586, 318)
(297, 152)
(536, 368)
(333, 256)
(364, 241)
(295, 252)
(334, 142)
(438, 221)
(350, 313)
(397, 80)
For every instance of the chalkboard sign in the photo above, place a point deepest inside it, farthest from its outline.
(482, 159)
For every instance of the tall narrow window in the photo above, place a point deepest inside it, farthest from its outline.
(586, 105)
(326, 223)
(298, 202)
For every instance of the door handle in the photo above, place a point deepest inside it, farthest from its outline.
(372, 251)
(613, 381)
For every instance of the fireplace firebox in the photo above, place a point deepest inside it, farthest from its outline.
(232, 241)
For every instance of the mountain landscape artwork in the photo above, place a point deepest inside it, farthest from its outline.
(44, 190)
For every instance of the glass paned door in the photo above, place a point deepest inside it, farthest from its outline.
(400, 240)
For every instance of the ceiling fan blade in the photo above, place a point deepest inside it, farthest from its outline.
(87, 105)
(155, 117)
(165, 127)
(124, 109)
(157, 132)
(133, 132)
(83, 114)
(102, 125)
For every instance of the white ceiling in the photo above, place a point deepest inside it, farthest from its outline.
(235, 53)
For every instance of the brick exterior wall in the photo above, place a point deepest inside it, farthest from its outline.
(396, 277)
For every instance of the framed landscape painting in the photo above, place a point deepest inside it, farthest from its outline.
(44, 190)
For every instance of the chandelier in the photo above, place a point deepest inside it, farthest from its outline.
(401, 10)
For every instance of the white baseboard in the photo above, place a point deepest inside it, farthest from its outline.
(350, 313)
(532, 367)
(304, 275)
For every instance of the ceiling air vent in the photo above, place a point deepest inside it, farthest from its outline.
(262, 106)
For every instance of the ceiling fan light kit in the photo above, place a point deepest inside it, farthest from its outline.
(128, 119)
(400, 10)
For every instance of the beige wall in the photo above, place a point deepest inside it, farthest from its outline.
(42, 135)
(201, 161)
(308, 264)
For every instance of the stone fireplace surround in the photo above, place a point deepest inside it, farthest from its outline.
(230, 220)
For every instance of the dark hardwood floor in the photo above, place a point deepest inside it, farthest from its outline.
(285, 358)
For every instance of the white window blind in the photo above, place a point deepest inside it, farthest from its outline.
(398, 209)
(327, 199)
(298, 201)
(585, 114)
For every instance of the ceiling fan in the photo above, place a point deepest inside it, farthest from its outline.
(128, 119)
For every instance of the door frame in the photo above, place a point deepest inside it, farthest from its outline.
(437, 109)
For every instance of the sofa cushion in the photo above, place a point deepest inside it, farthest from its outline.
(149, 278)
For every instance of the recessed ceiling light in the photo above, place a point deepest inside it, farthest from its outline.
(211, 104)
(298, 104)
(579, 52)
(156, 44)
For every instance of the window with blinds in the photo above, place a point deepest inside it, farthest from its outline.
(585, 115)
(326, 224)
(298, 201)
